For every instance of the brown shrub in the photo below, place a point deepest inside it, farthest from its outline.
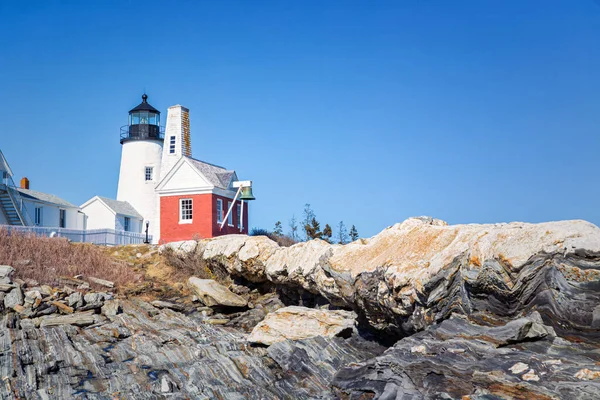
(47, 259)
(192, 264)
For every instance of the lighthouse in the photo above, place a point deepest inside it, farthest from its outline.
(141, 152)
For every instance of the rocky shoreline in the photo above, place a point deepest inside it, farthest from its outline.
(423, 311)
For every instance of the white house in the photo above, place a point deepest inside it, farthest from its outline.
(50, 211)
(105, 213)
(26, 207)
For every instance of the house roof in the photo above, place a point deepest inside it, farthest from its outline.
(217, 176)
(121, 207)
(45, 197)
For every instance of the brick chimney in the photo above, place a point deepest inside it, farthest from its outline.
(24, 183)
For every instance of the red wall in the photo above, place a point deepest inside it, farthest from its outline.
(204, 218)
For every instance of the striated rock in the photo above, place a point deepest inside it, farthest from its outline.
(6, 287)
(78, 319)
(166, 304)
(459, 359)
(139, 357)
(295, 323)
(212, 293)
(13, 298)
(422, 271)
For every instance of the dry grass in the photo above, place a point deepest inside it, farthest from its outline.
(47, 259)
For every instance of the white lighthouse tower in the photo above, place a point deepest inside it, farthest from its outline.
(142, 141)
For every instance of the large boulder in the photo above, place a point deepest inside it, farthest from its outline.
(212, 293)
(296, 323)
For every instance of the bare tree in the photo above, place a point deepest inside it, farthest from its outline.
(293, 228)
(342, 233)
(307, 222)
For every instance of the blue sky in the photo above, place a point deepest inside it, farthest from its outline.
(371, 111)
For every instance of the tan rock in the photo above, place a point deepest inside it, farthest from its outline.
(212, 293)
(62, 307)
(587, 374)
(296, 323)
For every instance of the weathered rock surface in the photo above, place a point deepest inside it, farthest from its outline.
(139, 356)
(419, 272)
(213, 293)
(296, 323)
(520, 360)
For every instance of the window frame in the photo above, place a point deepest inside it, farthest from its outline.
(150, 169)
(38, 212)
(62, 218)
(219, 211)
(239, 216)
(172, 140)
(127, 224)
(184, 218)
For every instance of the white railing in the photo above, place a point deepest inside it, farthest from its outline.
(104, 237)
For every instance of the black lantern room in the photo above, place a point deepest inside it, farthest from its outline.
(144, 123)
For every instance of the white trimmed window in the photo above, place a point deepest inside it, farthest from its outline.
(219, 211)
(149, 173)
(38, 216)
(239, 216)
(172, 145)
(185, 211)
(230, 216)
(62, 219)
(126, 224)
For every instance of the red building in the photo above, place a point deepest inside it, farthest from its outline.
(194, 199)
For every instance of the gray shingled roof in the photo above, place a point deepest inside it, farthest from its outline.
(217, 176)
(45, 197)
(121, 207)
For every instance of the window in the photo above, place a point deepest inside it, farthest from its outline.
(38, 216)
(239, 216)
(185, 210)
(126, 224)
(172, 145)
(62, 219)
(219, 211)
(230, 216)
(149, 173)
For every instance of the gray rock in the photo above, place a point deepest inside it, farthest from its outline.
(31, 296)
(462, 359)
(77, 319)
(75, 300)
(93, 297)
(111, 308)
(166, 304)
(212, 293)
(6, 273)
(13, 298)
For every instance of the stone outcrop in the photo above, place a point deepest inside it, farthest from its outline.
(421, 271)
(296, 323)
(141, 355)
(455, 359)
